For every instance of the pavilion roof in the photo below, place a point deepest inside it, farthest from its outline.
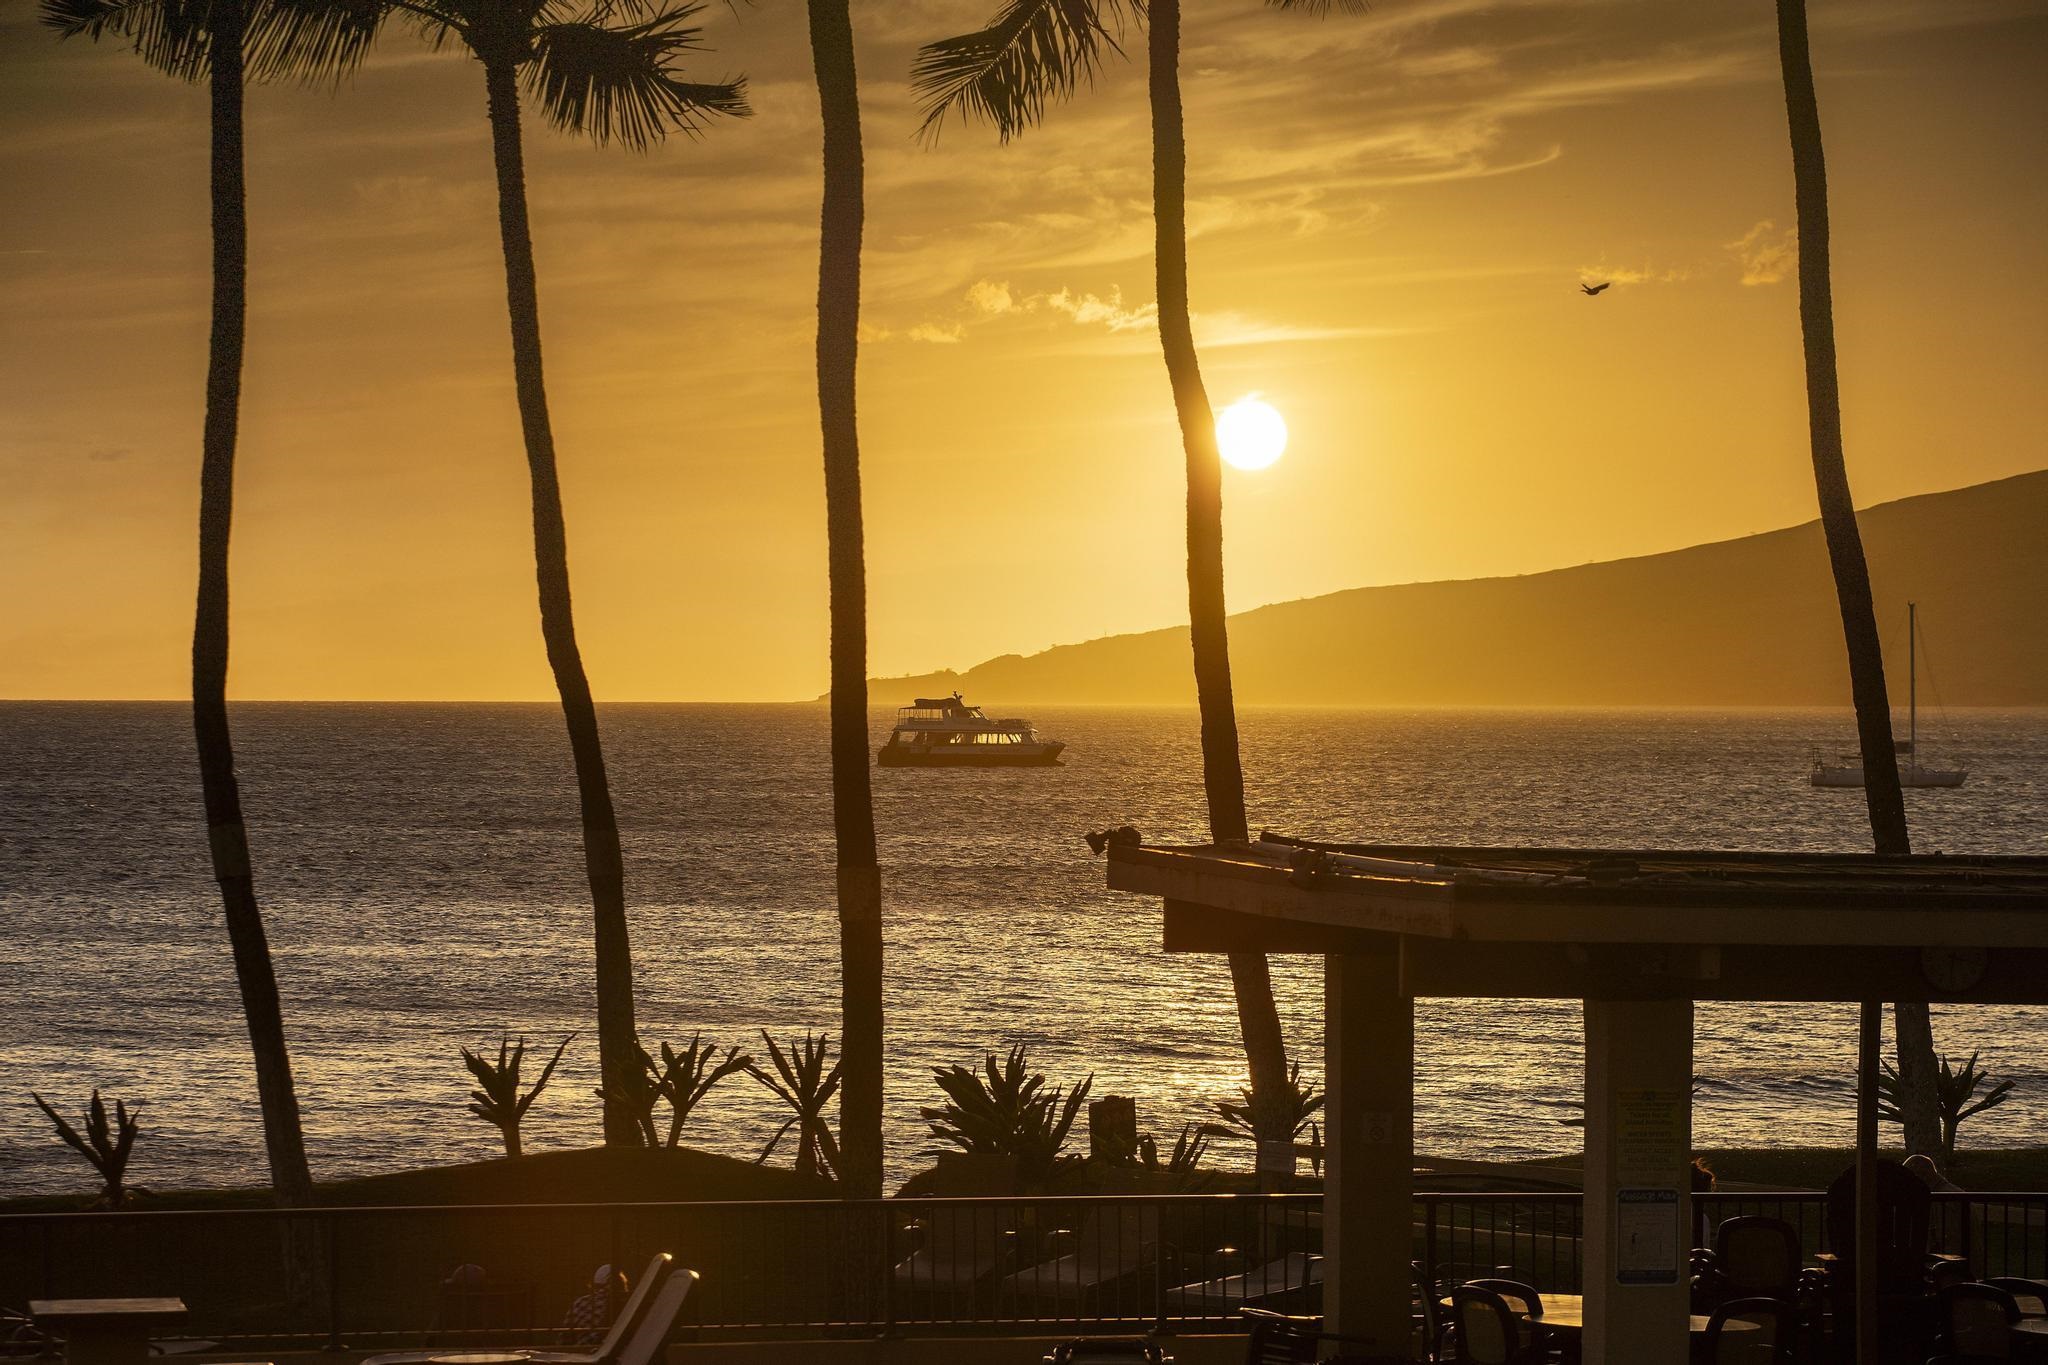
(1606, 895)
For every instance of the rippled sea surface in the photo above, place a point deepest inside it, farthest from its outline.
(421, 871)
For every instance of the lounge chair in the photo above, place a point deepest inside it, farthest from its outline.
(962, 1251)
(1295, 1273)
(1107, 1351)
(636, 1336)
(1108, 1247)
(1280, 1339)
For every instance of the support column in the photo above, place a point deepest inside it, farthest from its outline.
(1368, 1194)
(1638, 1216)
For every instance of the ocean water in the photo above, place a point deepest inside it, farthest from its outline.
(420, 868)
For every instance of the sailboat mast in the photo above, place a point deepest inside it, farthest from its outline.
(1913, 683)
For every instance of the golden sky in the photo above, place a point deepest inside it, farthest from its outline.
(1391, 215)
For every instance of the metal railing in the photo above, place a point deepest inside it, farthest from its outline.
(368, 1277)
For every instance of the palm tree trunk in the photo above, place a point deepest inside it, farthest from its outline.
(1881, 791)
(853, 810)
(1222, 773)
(226, 834)
(618, 1058)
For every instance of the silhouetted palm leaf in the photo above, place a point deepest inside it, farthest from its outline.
(307, 40)
(170, 35)
(1033, 52)
(619, 83)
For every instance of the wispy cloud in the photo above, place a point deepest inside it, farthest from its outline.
(1091, 310)
(988, 302)
(1629, 274)
(1765, 254)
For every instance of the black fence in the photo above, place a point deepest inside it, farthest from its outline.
(371, 1277)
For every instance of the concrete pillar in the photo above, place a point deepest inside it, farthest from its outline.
(1369, 1152)
(1638, 1217)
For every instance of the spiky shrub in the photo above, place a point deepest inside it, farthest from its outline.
(1955, 1095)
(1299, 1103)
(804, 1083)
(1182, 1162)
(685, 1077)
(107, 1145)
(497, 1100)
(1005, 1110)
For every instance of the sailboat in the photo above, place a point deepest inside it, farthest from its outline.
(1847, 771)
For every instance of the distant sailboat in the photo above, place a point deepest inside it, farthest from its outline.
(1848, 770)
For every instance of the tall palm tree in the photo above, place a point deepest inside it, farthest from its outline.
(608, 71)
(853, 805)
(1881, 789)
(227, 43)
(1038, 50)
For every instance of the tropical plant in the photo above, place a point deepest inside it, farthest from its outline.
(1881, 791)
(803, 1082)
(228, 43)
(853, 803)
(1188, 1150)
(1302, 1101)
(107, 1146)
(1005, 1111)
(607, 71)
(685, 1077)
(1955, 1094)
(497, 1101)
(1038, 50)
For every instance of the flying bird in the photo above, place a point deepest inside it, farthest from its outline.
(1591, 289)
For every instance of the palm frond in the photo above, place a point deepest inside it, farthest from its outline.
(170, 35)
(620, 83)
(310, 40)
(438, 23)
(1320, 8)
(1034, 51)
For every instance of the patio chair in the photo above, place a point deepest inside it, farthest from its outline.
(1448, 1275)
(1752, 1257)
(1904, 1210)
(1976, 1321)
(1486, 1330)
(1109, 1246)
(1765, 1337)
(1523, 1298)
(1904, 1270)
(1429, 1319)
(649, 1297)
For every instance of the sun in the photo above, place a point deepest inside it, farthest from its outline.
(1251, 433)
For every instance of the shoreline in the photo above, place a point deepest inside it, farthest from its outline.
(685, 1175)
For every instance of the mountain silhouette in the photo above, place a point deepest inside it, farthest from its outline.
(1745, 622)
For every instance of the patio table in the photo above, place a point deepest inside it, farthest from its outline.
(1566, 1315)
(106, 1331)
